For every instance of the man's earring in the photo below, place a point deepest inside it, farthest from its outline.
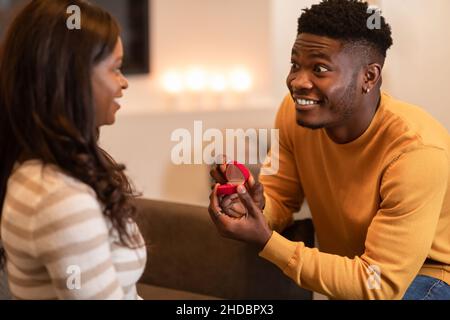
(366, 90)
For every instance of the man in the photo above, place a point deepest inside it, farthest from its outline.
(375, 171)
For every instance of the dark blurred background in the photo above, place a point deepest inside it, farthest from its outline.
(133, 16)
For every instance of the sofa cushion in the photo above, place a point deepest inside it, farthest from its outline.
(185, 252)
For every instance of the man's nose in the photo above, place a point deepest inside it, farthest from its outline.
(301, 80)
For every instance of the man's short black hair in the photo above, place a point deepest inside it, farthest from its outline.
(345, 20)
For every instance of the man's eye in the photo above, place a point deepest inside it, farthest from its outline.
(320, 69)
(294, 65)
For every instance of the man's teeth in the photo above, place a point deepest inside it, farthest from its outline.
(306, 102)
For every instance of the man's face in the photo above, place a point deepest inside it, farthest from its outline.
(323, 81)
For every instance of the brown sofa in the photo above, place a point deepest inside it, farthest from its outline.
(187, 259)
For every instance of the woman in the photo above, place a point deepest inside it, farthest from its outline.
(67, 224)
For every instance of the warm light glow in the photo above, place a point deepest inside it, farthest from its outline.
(240, 80)
(217, 83)
(198, 85)
(196, 80)
(173, 82)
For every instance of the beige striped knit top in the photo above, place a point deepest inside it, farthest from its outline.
(58, 243)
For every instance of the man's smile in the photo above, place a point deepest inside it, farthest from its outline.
(306, 104)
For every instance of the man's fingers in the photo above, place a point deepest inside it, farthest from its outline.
(248, 202)
(251, 181)
(232, 213)
(214, 200)
(227, 200)
(217, 175)
(238, 208)
(258, 190)
(214, 209)
(221, 162)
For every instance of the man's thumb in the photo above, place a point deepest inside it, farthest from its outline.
(247, 200)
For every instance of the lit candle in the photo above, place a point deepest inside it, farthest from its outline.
(174, 86)
(240, 83)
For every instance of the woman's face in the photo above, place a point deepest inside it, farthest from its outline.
(107, 85)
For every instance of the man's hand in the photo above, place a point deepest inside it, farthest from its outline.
(255, 188)
(251, 228)
(232, 206)
(218, 172)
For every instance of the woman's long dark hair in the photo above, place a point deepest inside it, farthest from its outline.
(46, 102)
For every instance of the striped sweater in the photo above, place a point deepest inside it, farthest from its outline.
(58, 243)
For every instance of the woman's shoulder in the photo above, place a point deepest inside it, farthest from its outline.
(44, 185)
(49, 206)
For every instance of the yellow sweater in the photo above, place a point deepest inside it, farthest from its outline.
(380, 202)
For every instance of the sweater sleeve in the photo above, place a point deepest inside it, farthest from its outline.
(71, 238)
(398, 238)
(282, 189)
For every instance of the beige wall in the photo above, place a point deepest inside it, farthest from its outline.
(417, 68)
(214, 34)
(209, 33)
(143, 143)
(284, 15)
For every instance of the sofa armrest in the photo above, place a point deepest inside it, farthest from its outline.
(185, 252)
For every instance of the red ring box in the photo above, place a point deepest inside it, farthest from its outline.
(236, 174)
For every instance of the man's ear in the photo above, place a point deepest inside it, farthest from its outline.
(372, 75)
